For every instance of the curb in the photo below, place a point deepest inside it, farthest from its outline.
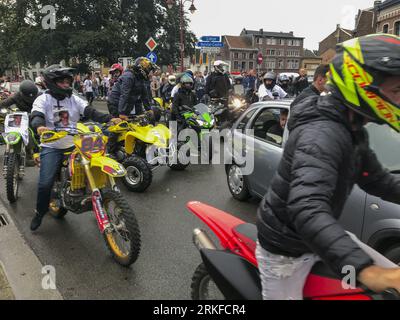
(23, 275)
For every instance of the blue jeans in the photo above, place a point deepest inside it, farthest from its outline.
(50, 164)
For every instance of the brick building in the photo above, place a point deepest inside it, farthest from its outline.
(388, 16)
(282, 52)
(327, 47)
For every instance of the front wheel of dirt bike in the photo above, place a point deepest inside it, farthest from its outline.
(180, 166)
(12, 178)
(139, 175)
(123, 238)
(203, 286)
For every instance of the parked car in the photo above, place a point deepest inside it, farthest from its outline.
(374, 221)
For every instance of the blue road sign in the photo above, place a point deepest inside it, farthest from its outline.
(208, 44)
(152, 56)
(211, 38)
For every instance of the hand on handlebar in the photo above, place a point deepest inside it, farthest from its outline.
(40, 130)
(123, 117)
(380, 279)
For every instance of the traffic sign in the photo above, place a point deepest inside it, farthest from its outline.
(211, 38)
(151, 44)
(152, 57)
(210, 50)
(209, 44)
(260, 58)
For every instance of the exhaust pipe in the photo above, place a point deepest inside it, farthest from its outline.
(202, 241)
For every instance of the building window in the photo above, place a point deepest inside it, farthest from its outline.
(244, 56)
(259, 41)
(293, 64)
(280, 64)
(293, 53)
(236, 55)
(280, 52)
(270, 64)
(243, 65)
(270, 52)
(251, 56)
(281, 42)
(397, 28)
(271, 41)
(236, 65)
(251, 65)
(294, 43)
(385, 28)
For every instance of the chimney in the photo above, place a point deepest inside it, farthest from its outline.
(337, 26)
(377, 3)
(262, 31)
(291, 32)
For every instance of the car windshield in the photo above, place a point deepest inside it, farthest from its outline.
(386, 144)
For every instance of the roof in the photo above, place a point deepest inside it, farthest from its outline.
(388, 4)
(239, 42)
(310, 54)
(270, 34)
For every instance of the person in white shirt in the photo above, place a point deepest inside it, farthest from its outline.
(88, 89)
(57, 108)
(269, 90)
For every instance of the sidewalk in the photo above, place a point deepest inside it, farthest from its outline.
(20, 270)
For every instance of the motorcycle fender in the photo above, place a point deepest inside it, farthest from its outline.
(109, 166)
(130, 139)
(237, 278)
(17, 138)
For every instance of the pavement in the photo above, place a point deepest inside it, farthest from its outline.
(76, 251)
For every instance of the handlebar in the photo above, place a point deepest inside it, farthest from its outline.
(391, 294)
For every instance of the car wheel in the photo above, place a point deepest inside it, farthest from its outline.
(237, 183)
(393, 254)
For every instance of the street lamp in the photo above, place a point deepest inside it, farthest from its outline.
(192, 9)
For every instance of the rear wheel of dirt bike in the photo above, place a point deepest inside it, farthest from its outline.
(139, 175)
(123, 239)
(179, 166)
(12, 178)
(203, 286)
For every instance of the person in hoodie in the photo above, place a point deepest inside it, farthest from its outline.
(326, 154)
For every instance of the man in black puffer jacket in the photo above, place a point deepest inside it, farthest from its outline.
(326, 154)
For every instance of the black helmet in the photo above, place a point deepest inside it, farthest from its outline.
(143, 66)
(28, 91)
(55, 73)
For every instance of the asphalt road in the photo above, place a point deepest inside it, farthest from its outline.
(84, 267)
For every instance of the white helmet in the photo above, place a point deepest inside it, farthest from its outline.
(172, 80)
(221, 66)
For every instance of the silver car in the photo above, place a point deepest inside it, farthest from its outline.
(374, 221)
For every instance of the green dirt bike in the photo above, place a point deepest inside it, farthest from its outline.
(16, 136)
(200, 119)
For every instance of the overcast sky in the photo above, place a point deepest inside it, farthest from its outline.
(312, 19)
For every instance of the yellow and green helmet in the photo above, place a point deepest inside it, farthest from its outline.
(360, 66)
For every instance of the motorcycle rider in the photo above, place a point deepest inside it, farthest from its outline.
(131, 88)
(24, 98)
(167, 89)
(218, 84)
(284, 83)
(184, 97)
(178, 86)
(269, 90)
(48, 110)
(115, 71)
(326, 154)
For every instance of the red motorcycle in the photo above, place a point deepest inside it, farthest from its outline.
(231, 272)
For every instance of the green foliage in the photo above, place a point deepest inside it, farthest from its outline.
(88, 30)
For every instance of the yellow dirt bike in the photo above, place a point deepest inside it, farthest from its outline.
(86, 182)
(166, 109)
(142, 148)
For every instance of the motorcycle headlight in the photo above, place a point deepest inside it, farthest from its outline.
(237, 103)
(3, 111)
(201, 123)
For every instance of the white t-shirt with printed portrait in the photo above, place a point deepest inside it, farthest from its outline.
(60, 114)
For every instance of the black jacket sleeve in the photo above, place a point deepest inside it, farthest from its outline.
(145, 98)
(127, 84)
(314, 175)
(208, 84)
(38, 119)
(94, 115)
(8, 102)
